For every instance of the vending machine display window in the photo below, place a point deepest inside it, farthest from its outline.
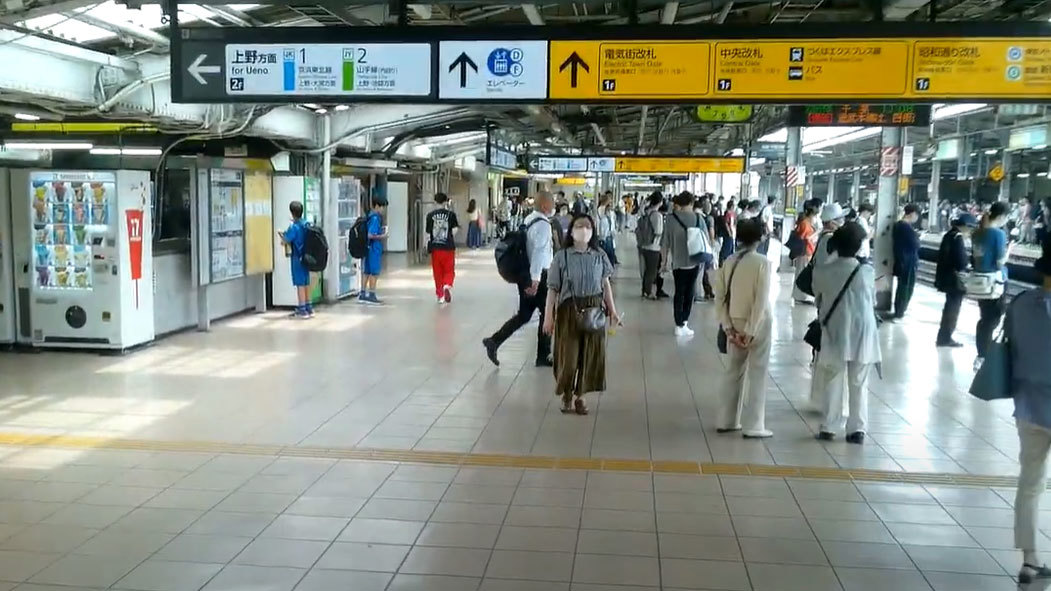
(70, 217)
(227, 223)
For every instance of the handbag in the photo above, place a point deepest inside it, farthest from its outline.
(814, 329)
(694, 240)
(993, 379)
(805, 280)
(983, 286)
(721, 340)
(587, 318)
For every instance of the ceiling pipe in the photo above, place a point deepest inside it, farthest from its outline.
(642, 127)
(533, 14)
(668, 13)
(127, 30)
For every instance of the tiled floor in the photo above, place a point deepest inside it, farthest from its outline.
(412, 375)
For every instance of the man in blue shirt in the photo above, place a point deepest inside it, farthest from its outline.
(906, 258)
(989, 249)
(293, 239)
(372, 264)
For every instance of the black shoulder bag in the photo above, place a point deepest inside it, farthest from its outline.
(813, 331)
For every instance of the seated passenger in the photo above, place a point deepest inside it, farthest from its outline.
(844, 288)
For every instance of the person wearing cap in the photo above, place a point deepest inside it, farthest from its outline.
(952, 260)
(1028, 330)
(833, 216)
(906, 258)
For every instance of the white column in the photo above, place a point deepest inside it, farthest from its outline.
(886, 215)
(1005, 183)
(855, 188)
(329, 213)
(831, 187)
(933, 189)
(793, 157)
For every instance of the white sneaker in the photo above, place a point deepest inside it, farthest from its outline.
(441, 300)
(687, 330)
(680, 331)
(757, 434)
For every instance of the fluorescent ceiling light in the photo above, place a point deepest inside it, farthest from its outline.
(321, 111)
(991, 151)
(48, 145)
(946, 111)
(126, 151)
(313, 106)
(342, 107)
(26, 117)
(146, 17)
(1023, 175)
(1040, 147)
(1041, 174)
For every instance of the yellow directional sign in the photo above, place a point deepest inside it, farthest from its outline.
(996, 173)
(628, 69)
(982, 67)
(817, 68)
(683, 165)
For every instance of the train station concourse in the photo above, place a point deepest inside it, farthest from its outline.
(632, 295)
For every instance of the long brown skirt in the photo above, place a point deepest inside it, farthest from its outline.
(580, 357)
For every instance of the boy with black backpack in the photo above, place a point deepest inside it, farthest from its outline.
(294, 238)
(372, 264)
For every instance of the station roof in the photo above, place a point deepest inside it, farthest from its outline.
(133, 29)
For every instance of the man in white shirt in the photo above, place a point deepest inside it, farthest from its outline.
(541, 242)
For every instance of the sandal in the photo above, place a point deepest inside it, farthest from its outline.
(579, 407)
(567, 405)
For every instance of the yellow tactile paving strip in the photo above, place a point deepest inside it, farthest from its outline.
(499, 460)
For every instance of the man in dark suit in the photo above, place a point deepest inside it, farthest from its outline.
(952, 260)
(906, 258)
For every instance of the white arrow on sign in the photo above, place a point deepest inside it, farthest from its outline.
(196, 69)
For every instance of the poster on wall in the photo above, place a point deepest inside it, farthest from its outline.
(259, 223)
(227, 217)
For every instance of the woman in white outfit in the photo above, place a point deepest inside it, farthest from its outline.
(742, 288)
(845, 288)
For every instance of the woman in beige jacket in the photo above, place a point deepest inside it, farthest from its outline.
(742, 290)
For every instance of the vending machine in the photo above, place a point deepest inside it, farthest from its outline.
(7, 282)
(83, 258)
(306, 190)
(346, 192)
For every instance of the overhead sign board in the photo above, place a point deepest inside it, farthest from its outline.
(723, 113)
(608, 164)
(827, 68)
(979, 67)
(859, 115)
(628, 69)
(684, 164)
(799, 64)
(492, 70)
(368, 69)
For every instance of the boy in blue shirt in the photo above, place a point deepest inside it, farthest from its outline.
(293, 238)
(372, 265)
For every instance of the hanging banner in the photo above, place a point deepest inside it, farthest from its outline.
(889, 161)
(133, 221)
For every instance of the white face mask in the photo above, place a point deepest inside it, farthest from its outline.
(581, 236)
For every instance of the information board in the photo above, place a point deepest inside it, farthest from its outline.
(972, 67)
(628, 69)
(797, 64)
(680, 165)
(859, 115)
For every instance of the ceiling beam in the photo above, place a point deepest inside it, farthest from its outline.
(668, 13)
(121, 29)
(533, 14)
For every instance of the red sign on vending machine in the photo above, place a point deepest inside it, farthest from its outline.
(134, 220)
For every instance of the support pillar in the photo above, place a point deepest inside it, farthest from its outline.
(793, 158)
(855, 188)
(329, 209)
(933, 191)
(886, 216)
(1005, 183)
(831, 187)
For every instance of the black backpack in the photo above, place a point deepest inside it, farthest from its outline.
(512, 254)
(315, 249)
(358, 238)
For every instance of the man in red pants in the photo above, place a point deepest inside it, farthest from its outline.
(441, 232)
